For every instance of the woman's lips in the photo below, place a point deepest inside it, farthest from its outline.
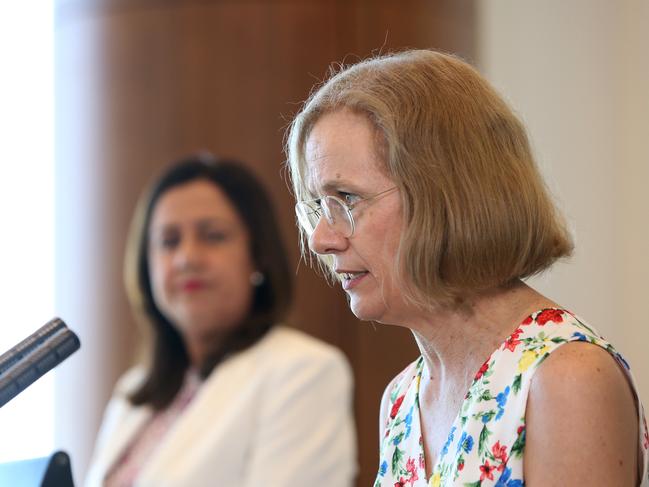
(351, 280)
(192, 285)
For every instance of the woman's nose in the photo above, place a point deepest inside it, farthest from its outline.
(187, 254)
(325, 240)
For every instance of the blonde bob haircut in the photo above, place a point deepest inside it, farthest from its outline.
(477, 214)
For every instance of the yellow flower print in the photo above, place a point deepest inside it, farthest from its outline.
(436, 480)
(527, 359)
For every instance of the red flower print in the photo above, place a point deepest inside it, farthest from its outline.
(527, 321)
(487, 471)
(482, 370)
(512, 342)
(396, 406)
(520, 429)
(460, 465)
(412, 470)
(500, 453)
(546, 315)
(410, 465)
(400, 483)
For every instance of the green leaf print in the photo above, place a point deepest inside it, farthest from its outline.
(488, 373)
(485, 396)
(473, 484)
(486, 416)
(484, 435)
(516, 385)
(545, 355)
(393, 395)
(519, 445)
(397, 457)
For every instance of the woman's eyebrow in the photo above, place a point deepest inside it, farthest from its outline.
(338, 184)
(212, 220)
(200, 221)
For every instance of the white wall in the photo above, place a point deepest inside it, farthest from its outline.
(577, 72)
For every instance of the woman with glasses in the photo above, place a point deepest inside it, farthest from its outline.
(418, 193)
(226, 397)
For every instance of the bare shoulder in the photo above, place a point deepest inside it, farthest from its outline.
(581, 420)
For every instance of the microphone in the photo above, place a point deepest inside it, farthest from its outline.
(29, 344)
(34, 356)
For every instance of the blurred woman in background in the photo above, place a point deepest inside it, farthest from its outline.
(418, 192)
(226, 396)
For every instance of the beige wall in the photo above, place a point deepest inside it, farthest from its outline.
(578, 74)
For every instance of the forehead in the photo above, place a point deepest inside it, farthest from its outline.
(342, 150)
(194, 200)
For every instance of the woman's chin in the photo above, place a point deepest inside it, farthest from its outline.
(364, 311)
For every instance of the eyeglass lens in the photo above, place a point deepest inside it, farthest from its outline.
(339, 216)
(336, 214)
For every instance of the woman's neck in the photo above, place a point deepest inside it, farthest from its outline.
(455, 342)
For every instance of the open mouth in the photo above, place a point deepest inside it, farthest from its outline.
(350, 279)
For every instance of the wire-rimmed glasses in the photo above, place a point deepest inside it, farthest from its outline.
(337, 213)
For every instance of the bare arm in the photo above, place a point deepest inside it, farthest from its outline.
(581, 421)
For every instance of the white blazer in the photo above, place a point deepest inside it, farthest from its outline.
(278, 414)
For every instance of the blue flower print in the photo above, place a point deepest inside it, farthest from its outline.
(505, 481)
(622, 361)
(579, 336)
(485, 445)
(501, 399)
(465, 443)
(408, 422)
(459, 443)
(449, 440)
(502, 481)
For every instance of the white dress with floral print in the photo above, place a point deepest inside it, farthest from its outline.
(485, 446)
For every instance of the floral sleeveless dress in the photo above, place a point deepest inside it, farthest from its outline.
(486, 443)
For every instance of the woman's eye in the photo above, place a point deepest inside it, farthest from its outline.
(349, 198)
(215, 236)
(168, 242)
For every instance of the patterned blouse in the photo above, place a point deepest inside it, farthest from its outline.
(129, 465)
(486, 443)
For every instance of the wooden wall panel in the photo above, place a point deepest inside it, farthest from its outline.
(141, 83)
